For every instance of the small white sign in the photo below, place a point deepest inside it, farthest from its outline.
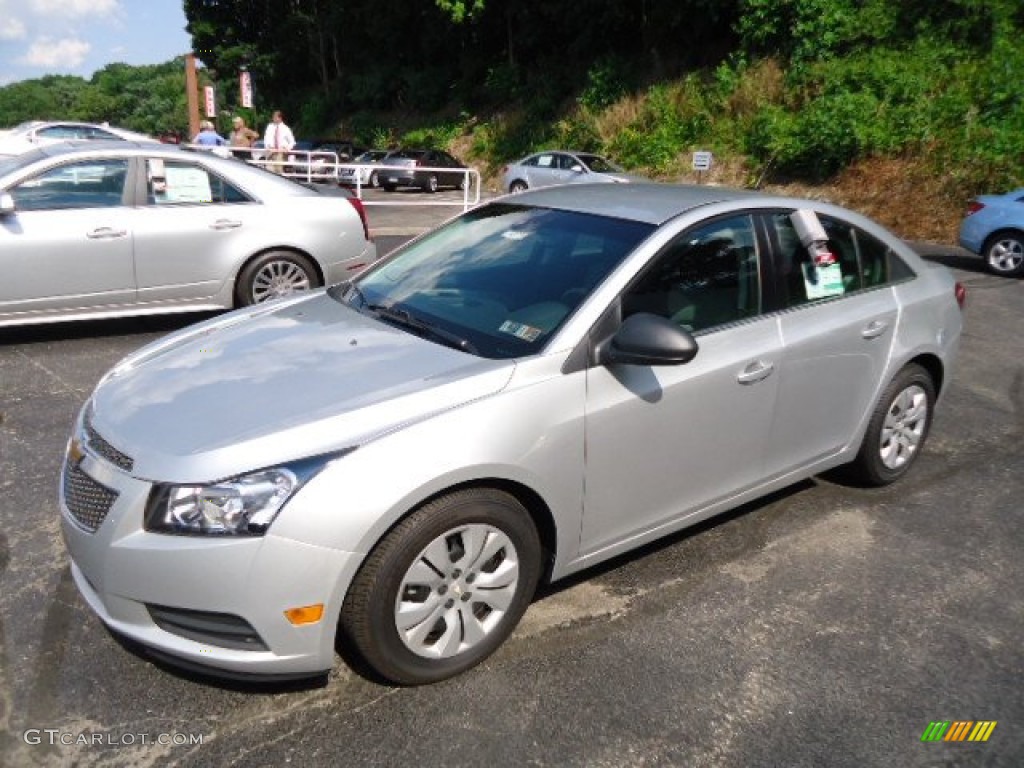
(211, 107)
(245, 88)
(702, 161)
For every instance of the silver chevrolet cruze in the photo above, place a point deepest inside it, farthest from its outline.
(393, 463)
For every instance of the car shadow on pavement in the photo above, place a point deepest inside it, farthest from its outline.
(950, 256)
(88, 329)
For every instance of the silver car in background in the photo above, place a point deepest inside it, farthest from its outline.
(546, 169)
(38, 133)
(543, 383)
(126, 229)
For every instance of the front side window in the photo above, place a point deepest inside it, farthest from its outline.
(173, 182)
(87, 184)
(503, 277)
(707, 277)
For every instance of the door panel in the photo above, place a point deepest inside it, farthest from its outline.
(69, 243)
(666, 441)
(663, 442)
(189, 237)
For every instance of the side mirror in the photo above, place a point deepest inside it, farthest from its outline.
(577, 168)
(646, 339)
(6, 204)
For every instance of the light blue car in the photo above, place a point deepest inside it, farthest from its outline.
(994, 229)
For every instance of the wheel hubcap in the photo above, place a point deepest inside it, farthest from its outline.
(904, 427)
(456, 591)
(1006, 255)
(279, 278)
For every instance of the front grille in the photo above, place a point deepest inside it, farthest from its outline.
(86, 500)
(220, 629)
(105, 449)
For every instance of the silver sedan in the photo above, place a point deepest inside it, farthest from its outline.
(122, 229)
(541, 384)
(545, 169)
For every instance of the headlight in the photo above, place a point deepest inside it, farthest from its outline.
(243, 506)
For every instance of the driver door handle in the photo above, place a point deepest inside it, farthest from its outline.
(874, 329)
(106, 233)
(755, 372)
(226, 224)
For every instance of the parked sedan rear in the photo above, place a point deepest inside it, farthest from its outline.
(428, 169)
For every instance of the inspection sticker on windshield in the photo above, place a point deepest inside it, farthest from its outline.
(515, 235)
(521, 331)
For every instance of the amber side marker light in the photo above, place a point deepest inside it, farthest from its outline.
(307, 614)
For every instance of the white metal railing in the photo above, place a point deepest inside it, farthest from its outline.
(324, 166)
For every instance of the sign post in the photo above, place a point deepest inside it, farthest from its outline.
(701, 163)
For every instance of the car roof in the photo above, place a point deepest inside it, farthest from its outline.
(648, 202)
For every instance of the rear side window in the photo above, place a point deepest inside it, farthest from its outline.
(863, 262)
(176, 183)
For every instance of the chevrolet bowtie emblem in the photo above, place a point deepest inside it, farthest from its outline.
(75, 452)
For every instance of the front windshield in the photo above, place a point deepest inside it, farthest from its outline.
(598, 164)
(503, 278)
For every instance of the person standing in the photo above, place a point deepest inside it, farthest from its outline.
(278, 140)
(208, 136)
(241, 136)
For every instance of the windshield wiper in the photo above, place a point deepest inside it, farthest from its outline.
(405, 319)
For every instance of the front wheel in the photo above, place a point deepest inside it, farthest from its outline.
(1004, 254)
(275, 274)
(444, 588)
(898, 428)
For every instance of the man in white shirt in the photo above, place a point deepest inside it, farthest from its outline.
(278, 140)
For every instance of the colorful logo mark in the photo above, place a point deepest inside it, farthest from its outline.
(959, 730)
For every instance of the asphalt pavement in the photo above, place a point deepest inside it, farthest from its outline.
(823, 626)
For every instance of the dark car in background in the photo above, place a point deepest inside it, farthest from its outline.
(428, 169)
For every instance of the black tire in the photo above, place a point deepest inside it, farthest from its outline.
(389, 187)
(374, 180)
(431, 184)
(422, 542)
(1004, 253)
(274, 274)
(461, 183)
(517, 186)
(898, 429)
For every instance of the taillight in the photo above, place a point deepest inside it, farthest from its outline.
(361, 210)
(960, 291)
(974, 206)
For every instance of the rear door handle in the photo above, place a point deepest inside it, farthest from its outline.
(106, 233)
(874, 329)
(755, 372)
(225, 224)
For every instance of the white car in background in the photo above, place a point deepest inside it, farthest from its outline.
(37, 133)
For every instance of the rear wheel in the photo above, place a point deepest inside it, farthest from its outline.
(275, 274)
(1004, 253)
(517, 186)
(897, 430)
(431, 184)
(374, 180)
(444, 588)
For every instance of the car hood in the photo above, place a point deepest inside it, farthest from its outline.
(260, 388)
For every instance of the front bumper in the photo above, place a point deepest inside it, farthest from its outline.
(128, 576)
